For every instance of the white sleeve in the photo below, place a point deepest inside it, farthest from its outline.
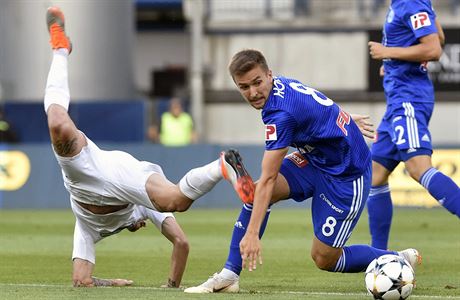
(84, 243)
(157, 218)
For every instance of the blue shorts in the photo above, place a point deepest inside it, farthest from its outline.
(403, 134)
(336, 205)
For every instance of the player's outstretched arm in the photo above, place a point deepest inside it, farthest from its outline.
(250, 247)
(173, 232)
(364, 124)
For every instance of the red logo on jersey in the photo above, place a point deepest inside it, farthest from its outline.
(298, 159)
(270, 132)
(343, 119)
(420, 20)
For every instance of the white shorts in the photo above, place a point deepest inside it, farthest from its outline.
(86, 234)
(99, 177)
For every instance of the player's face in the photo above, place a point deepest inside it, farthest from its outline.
(255, 86)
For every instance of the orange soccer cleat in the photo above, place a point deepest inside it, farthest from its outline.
(234, 171)
(56, 28)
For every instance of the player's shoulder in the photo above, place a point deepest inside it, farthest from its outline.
(287, 86)
(410, 7)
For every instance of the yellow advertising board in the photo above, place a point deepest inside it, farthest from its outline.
(14, 170)
(407, 192)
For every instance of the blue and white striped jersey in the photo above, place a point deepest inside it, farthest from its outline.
(406, 22)
(298, 116)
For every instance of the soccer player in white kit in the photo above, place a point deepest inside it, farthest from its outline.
(111, 190)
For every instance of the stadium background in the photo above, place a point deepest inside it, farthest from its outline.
(131, 57)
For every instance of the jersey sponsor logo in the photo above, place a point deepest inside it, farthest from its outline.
(14, 170)
(298, 159)
(270, 132)
(304, 149)
(278, 88)
(420, 20)
(343, 119)
(333, 207)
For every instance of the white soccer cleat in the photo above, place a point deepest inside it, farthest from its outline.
(412, 256)
(216, 284)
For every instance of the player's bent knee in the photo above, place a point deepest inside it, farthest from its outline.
(323, 262)
(415, 172)
(172, 205)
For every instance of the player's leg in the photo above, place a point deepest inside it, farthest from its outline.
(66, 139)
(336, 208)
(416, 149)
(234, 261)
(440, 186)
(385, 157)
(227, 280)
(169, 197)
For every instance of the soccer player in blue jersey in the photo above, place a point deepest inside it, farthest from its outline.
(411, 37)
(332, 165)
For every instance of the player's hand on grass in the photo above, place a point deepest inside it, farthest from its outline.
(250, 250)
(377, 50)
(171, 284)
(121, 282)
(96, 281)
(364, 124)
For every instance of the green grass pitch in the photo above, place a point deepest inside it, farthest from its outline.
(35, 249)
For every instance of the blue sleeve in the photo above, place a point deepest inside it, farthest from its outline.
(420, 18)
(280, 128)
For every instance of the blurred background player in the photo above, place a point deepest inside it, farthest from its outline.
(176, 127)
(332, 165)
(412, 36)
(111, 190)
(7, 132)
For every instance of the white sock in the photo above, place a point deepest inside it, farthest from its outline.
(228, 274)
(57, 85)
(199, 181)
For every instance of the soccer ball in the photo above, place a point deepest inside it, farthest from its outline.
(390, 277)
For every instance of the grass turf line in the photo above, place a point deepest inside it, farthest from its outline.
(35, 249)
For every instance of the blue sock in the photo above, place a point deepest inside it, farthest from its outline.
(443, 189)
(234, 262)
(380, 210)
(356, 258)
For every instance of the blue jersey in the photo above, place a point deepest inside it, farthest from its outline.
(406, 22)
(298, 116)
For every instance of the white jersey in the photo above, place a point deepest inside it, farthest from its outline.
(91, 228)
(99, 177)
(103, 178)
